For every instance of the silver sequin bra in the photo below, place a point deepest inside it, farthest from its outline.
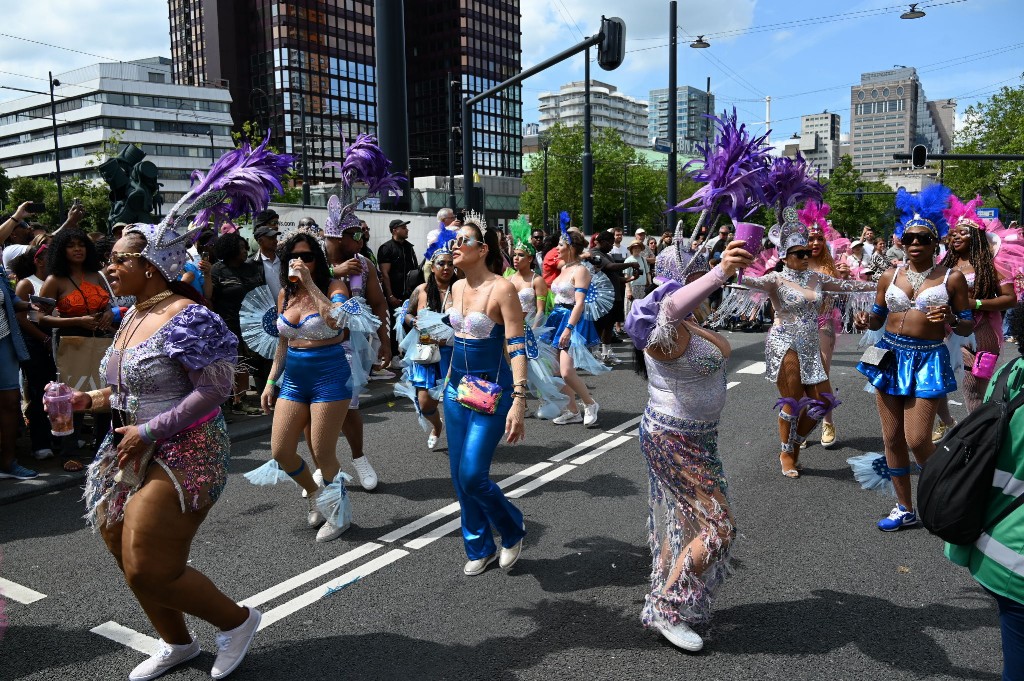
(474, 325)
(312, 327)
(690, 387)
(528, 300)
(896, 299)
(565, 293)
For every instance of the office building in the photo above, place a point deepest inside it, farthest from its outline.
(306, 70)
(180, 127)
(609, 108)
(692, 126)
(889, 114)
(819, 141)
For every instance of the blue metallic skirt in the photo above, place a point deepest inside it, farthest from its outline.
(557, 321)
(318, 374)
(919, 368)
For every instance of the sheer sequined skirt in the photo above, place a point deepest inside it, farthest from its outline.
(196, 461)
(804, 341)
(690, 524)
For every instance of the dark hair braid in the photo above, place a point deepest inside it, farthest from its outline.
(979, 254)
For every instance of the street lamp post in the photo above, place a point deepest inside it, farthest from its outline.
(588, 157)
(56, 146)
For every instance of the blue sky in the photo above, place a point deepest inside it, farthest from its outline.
(964, 49)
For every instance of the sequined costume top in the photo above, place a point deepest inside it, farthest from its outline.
(896, 299)
(690, 387)
(528, 300)
(565, 292)
(797, 297)
(312, 327)
(473, 325)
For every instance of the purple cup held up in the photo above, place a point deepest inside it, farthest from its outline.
(753, 236)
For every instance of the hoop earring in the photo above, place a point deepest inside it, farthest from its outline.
(149, 274)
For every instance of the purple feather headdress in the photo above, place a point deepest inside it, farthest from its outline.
(789, 182)
(242, 181)
(730, 170)
(364, 162)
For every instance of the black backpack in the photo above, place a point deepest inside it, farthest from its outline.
(952, 494)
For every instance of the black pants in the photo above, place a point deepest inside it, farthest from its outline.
(39, 370)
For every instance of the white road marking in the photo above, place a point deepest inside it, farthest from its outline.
(19, 593)
(731, 384)
(316, 593)
(755, 368)
(311, 574)
(147, 645)
(580, 460)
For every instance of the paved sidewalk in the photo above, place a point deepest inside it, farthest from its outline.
(52, 476)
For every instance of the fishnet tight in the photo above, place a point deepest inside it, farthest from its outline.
(326, 420)
(906, 427)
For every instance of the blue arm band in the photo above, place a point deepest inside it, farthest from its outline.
(338, 298)
(518, 340)
(517, 353)
(581, 290)
(966, 315)
(880, 311)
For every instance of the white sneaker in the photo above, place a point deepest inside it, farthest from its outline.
(167, 657)
(508, 557)
(41, 454)
(612, 360)
(318, 478)
(367, 476)
(329, 531)
(681, 636)
(476, 567)
(234, 644)
(431, 441)
(382, 375)
(590, 414)
(314, 518)
(567, 417)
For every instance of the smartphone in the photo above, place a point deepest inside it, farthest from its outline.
(45, 304)
(36, 207)
(76, 203)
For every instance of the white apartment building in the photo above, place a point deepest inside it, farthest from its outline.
(180, 127)
(609, 108)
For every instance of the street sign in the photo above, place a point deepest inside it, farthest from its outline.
(988, 213)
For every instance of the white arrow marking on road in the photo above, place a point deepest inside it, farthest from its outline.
(19, 593)
(147, 645)
(755, 368)
(731, 385)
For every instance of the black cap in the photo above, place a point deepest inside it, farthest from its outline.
(265, 230)
(606, 235)
(264, 217)
(395, 224)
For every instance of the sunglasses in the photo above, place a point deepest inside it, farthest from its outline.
(923, 238)
(304, 256)
(355, 234)
(802, 254)
(118, 258)
(460, 241)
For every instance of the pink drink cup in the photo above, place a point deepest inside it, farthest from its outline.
(58, 408)
(753, 236)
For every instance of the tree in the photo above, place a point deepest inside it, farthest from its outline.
(851, 213)
(614, 162)
(252, 133)
(94, 198)
(995, 126)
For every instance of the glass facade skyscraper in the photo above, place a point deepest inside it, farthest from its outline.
(691, 125)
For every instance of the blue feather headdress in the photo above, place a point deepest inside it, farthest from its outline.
(923, 210)
(242, 181)
(563, 226)
(364, 162)
(442, 245)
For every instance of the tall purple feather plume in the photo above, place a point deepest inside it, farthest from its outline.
(248, 176)
(365, 162)
(731, 171)
(788, 182)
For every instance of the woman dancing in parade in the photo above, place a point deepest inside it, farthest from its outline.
(909, 365)
(691, 527)
(830, 321)
(793, 349)
(572, 332)
(485, 397)
(170, 367)
(543, 359)
(989, 292)
(317, 382)
(422, 380)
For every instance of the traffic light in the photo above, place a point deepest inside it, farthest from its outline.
(612, 48)
(919, 156)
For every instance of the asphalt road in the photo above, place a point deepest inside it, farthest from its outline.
(818, 592)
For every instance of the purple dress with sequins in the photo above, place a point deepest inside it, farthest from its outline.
(173, 383)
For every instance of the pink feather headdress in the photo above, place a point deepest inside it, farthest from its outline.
(960, 213)
(814, 215)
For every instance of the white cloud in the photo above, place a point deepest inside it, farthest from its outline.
(127, 31)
